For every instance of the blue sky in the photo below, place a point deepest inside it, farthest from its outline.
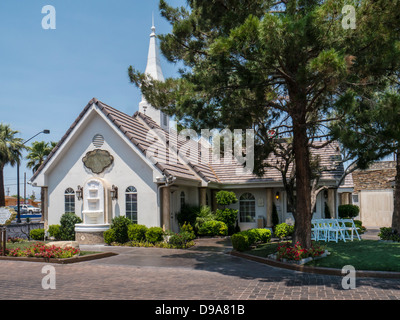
(48, 76)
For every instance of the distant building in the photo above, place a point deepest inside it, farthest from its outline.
(12, 201)
(373, 193)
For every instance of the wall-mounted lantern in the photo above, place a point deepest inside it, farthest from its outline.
(114, 192)
(79, 193)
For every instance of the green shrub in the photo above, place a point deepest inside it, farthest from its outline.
(36, 234)
(240, 241)
(154, 234)
(205, 214)
(389, 234)
(109, 236)
(283, 230)
(67, 226)
(189, 229)
(227, 216)
(225, 198)
(262, 235)
(54, 231)
(360, 228)
(348, 211)
(137, 232)
(120, 225)
(213, 228)
(181, 239)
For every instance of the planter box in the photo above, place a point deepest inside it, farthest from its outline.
(299, 262)
(74, 259)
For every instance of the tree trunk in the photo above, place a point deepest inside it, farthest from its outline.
(302, 230)
(2, 192)
(396, 195)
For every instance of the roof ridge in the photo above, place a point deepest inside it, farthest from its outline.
(64, 137)
(187, 163)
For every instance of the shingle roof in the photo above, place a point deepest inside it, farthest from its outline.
(233, 172)
(136, 132)
(138, 128)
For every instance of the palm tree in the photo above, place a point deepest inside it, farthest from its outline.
(38, 153)
(11, 149)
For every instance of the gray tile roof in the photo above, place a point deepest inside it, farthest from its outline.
(137, 128)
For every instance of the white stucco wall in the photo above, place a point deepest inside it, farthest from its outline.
(285, 216)
(261, 203)
(128, 169)
(260, 206)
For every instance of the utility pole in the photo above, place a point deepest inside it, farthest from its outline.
(24, 187)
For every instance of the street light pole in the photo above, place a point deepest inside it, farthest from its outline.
(18, 200)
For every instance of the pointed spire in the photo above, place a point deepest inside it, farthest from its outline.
(153, 67)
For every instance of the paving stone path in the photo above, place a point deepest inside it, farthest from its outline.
(202, 272)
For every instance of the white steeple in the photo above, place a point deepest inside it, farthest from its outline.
(153, 69)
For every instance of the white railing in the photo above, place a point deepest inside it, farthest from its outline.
(333, 230)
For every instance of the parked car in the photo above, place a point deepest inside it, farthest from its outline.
(21, 209)
(26, 208)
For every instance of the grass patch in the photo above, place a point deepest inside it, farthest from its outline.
(369, 255)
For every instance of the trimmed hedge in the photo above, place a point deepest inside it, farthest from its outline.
(242, 240)
(213, 228)
(387, 233)
(109, 236)
(137, 232)
(120, 226)
(154, 234)
(283, 230)
(55, 231)
(36, 234)
(348, 211)
(67, 225)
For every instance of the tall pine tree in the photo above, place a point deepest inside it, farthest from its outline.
(266, 64)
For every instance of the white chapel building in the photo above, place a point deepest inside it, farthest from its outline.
(111, 164)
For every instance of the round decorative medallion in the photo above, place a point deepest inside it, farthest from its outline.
(98, 160)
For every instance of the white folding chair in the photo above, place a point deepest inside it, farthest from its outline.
(314, 230)
(349, 230)
(335, 231)
(320, 230)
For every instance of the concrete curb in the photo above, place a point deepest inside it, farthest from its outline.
(316, 270)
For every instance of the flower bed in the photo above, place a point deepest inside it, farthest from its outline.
(286, 252)
(40, 250)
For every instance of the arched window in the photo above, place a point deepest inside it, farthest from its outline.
(247, 208)
(131, 204)
(183, 200)
(69, 200)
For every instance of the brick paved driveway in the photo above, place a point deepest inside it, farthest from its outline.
(203, 272)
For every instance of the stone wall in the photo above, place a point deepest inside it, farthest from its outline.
(379, 176)
(21, 230)
(89, 237)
